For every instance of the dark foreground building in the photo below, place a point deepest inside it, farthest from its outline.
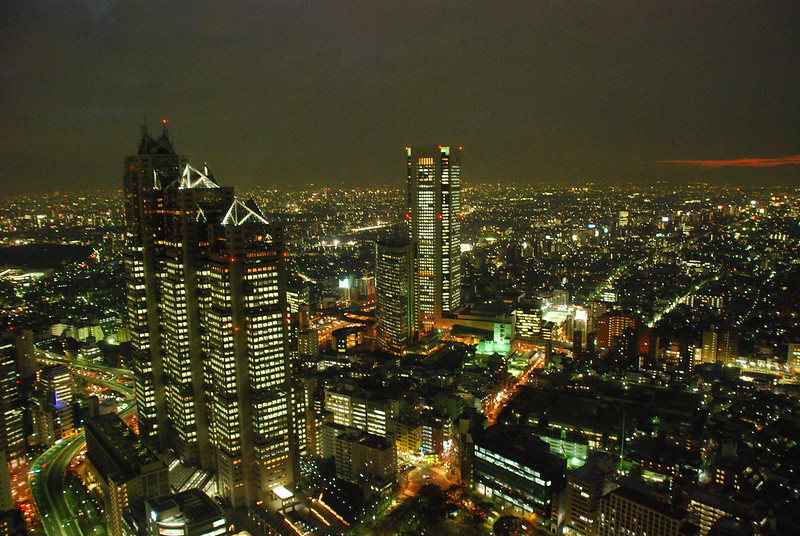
(516, 469)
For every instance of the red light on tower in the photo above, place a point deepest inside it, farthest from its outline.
(441, 217)
(460, 147)
(164, 121)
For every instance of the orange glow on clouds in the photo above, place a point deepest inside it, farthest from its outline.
(741, 162)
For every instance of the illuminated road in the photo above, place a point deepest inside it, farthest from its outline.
(47, 485)
(58, 359)
(48, 470)
(495, 402)
(124, 390)
(674, 303)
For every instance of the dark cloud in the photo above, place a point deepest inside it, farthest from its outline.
(284, 92)
(739, 162)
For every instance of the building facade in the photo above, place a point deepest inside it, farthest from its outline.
(612, 325)
(434, 215)
(146, 174)
(54, 416)
(517, 470)
(128, 471)
(626, 511)
(528, 320)
(394, 295)
(189, 513)
(247, 357)
(208, 316)
(12, 435)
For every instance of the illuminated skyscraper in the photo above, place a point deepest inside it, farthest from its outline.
(434, 213)
(246, 327)
(146, 173)
(394, 303)
(12, 434)
(54, 418)
(207, 310)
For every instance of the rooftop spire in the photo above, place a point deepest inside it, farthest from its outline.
(148, 145)
(242, 212)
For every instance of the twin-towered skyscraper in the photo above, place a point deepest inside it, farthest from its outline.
(419, 281)
(206, 304)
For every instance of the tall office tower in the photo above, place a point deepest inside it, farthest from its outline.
(24, 350)
(248, 357)
(208, 313)
(167, 206)
(434, 212)
(182, 245)
(394, 303)
(129, 472)
(12, 436)
(54, 417)
(155, 166)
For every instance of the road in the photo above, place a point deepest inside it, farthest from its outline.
(495, 402)
(46, 478)
(58, 359)
(47, 485)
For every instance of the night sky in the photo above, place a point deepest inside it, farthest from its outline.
(329, 92)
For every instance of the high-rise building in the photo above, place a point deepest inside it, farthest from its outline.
(366, 459)
(25, 352)
(528, 320)
(12, 435)
(207, 310)
(251, 391)
(147, 173)
(517, 470)
(54, 417)
(434, 214)
(612, 325)
(720, 346)
(627, 511)
(363, 410)
(585, 486)
(394, 296)
(128, 471)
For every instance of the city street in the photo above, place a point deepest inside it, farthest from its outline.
(47, 485)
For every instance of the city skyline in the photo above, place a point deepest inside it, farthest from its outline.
(612, 344)
(613, 92)
(580, 319)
